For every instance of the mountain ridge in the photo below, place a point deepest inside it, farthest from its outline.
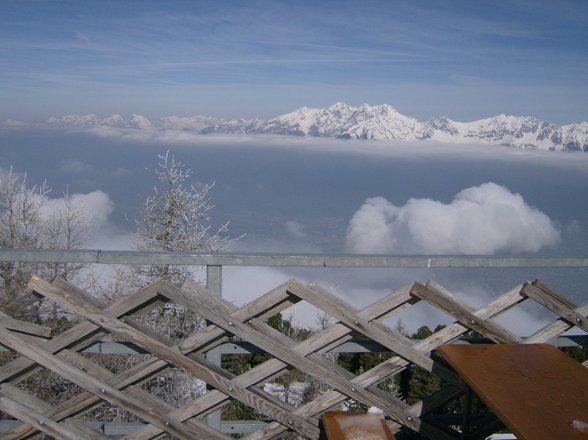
(379, 122)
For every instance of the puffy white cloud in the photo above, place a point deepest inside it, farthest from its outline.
(480, 220)
(93, 209)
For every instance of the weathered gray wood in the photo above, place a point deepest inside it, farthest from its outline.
(66, 431)
(82, 334)
(24, 398)
(382, 309)
(394, 365)
(273, 302)
(86, 400)
(201, 369)
(218, 313)
(136, 304)
(489, 329)
(41, 408)
(380, 398)
(550, 299)
(95, 385)
(24, 327)
(347, 314)
(247, 322)
(555, 329)
(331, 398)
(137, 393)
(377, 331)
(274, 366)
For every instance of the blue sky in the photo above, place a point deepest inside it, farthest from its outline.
(461, 59)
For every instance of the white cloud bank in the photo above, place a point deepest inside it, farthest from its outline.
(92, 209)
(480, 220)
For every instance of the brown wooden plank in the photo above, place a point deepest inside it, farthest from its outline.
(549, 298)
(342, 425)
(454, 308)
(536, 390)
(201, 368)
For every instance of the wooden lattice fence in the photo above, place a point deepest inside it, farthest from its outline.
(62, 354)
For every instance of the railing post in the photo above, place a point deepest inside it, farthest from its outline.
(214, 283)
(214, 279)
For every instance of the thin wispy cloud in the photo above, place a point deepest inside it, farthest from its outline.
(398, 51)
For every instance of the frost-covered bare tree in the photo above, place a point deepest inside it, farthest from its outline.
(176, 218)
(65, 228)
(27, 221)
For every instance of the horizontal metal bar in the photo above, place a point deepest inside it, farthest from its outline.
(358, 346)
(285, 260)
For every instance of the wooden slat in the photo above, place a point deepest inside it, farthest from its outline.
(65, 431)
(556, 328)
(347, 314)
(24, 327)
(272, 302)
(550, 299)
(32, 411)
(248, 323)
(489, 329)
(143, 371)
(86, 400)
(201, 369)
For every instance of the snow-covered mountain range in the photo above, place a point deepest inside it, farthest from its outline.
(381, 122)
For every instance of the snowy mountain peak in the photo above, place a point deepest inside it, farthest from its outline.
(344, 121)
(380, 122)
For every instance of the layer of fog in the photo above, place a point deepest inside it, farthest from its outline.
(294, 195)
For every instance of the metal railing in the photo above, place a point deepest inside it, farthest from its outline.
(214, 263)
(285, 260)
